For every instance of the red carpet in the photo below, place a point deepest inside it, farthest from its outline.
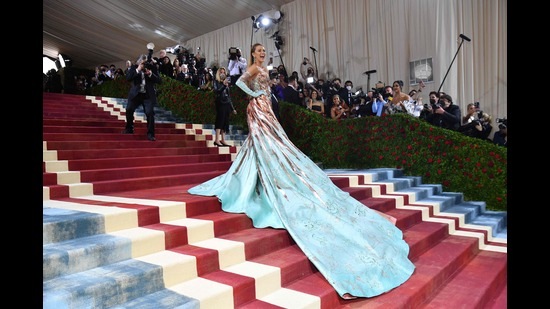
(140, 187)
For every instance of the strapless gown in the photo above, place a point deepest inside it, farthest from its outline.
(358, 251)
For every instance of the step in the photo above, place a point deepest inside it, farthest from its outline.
(128, 235)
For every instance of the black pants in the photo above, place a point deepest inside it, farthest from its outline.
(148, 107)
(222, 116)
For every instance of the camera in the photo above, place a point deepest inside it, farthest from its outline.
(357, 96)
(436, 105)
(233, 53)
(142, 88)
(305, 61)
(502, 123)
(376, 92)
(149, 65)
(476, 104)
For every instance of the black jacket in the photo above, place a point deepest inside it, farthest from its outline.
(135, 78)
(291, 96)
(448, 120)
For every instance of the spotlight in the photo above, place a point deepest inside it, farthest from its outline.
(256, 22)
(150, 46)
(173, 50)
(48, 63)
(267, 19)
(63, 61)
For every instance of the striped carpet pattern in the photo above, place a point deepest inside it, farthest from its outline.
(121, 231)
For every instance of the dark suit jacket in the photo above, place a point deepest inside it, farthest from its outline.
(133, 76)
(291, 95)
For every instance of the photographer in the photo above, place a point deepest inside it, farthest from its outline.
(471, 114)
(444, 113)
(224, 107)
(379, 104)
(237, 64)
(143, 77)
(501, 136)
(361, 104)
(478, 128)
(307, 70)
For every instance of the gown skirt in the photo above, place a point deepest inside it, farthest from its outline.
(358, 251)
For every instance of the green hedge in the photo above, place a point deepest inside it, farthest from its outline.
(474, 167)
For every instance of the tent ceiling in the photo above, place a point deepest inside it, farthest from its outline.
(93, 32)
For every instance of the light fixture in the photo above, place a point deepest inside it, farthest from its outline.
(256, 24)
(173, 50)
(63, 61)
(48, 64)
(267, 19)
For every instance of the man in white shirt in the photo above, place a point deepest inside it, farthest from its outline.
(237, 64)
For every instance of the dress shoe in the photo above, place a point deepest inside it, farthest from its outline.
(126, 131)
(224, 144)
(151, 138)
(218, 145)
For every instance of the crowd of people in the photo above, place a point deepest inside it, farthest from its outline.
(276, 184)
(330, 99)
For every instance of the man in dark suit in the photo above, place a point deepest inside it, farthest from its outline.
(290, 92)
(143, 76)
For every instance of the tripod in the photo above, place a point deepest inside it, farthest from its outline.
(278, 46)
(368, 73)
(315, 60)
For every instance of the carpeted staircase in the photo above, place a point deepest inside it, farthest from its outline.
(121, 231)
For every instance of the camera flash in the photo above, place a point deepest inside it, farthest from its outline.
(310, 80)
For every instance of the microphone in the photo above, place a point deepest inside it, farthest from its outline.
(462, 36)
(369, 72)
(313, 49)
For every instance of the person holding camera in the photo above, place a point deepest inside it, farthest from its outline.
(500, 137)
(379, 105)
(237, 64)
(471, 114)
(143, 77)
(224, 106)
(478, 128)
(444, 113)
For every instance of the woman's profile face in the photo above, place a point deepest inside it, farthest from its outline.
(396, 86)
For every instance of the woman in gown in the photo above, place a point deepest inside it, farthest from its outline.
(358, 250)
